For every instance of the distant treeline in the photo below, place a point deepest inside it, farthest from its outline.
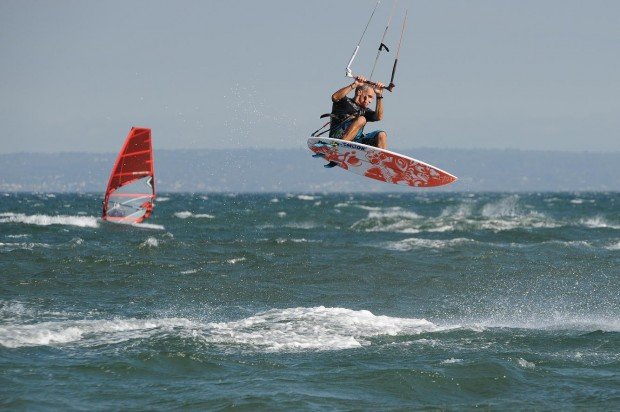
(294, 170)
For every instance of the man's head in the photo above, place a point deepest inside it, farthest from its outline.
(364, 95)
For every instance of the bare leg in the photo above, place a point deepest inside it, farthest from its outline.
(382, 140)
(353, 128)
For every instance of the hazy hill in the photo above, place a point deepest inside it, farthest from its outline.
(294, 170)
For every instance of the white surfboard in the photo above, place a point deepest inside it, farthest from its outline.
(379, 164)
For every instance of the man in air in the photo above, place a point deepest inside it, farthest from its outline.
(350, 115)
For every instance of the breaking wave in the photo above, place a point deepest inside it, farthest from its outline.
(46, 220)
(187, 214)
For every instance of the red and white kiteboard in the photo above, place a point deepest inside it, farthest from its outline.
(379, 164)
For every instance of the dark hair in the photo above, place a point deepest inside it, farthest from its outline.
(362, 88)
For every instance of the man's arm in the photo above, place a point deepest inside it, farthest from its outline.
(379, 98)
(341, 93)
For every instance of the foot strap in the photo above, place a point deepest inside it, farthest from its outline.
(330, 165)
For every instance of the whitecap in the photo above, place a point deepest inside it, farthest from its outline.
(9, 247)
(88, 332)
(18, 236)
(525, 364)
(598, 222)
(187, 214)
(306, 197)
(13, 309)
(46, 220)
(501, 208)
(150, 242)
(148, 226)
(393, 219)
(457, 212)
(189, 271)
(614, 246)
(315, 328)
(283, 240)
(451, 361)
(393, 212)
(302, 225)
(417, 243)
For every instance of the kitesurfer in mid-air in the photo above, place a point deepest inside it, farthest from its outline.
(350, 115)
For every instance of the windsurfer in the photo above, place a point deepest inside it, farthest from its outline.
(350, 115)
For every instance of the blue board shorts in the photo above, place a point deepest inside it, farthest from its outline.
(370, 139)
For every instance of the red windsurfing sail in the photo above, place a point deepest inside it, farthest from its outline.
(131, 189)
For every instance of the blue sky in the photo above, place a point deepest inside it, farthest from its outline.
(531, 75)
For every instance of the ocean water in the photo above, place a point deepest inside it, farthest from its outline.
(312, 302)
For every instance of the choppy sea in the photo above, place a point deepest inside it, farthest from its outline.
(312, 302)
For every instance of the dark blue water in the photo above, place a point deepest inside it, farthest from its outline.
(312, 302)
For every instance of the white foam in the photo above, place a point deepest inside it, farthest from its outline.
(316, 328)
(533, 220)
(525, 364)
(148, 226)
(302, 225)
(393, 212)
(502, 208)
(458, 212)
(294, 329)
(557, 321)
(150, 242)
(393, 219)
(369, 208)
(12, 310)
(189, 271)
(598, 222)
(186, 214)
(306, 197)
(283, 240)
(162, 199)
(235, 260)
(18, 236)
(93, 332)
(451, 361)
(614, 246)
(46, 220)
(417, 243)
(22, 246)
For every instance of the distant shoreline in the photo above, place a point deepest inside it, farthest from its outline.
(295, 171)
